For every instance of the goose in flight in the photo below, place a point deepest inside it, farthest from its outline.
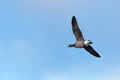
(80, 42)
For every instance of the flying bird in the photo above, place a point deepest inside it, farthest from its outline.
(80, 42)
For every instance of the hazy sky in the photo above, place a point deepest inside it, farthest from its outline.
(34, 35)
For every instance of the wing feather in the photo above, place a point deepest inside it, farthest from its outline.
(76, 30)
(91, 51)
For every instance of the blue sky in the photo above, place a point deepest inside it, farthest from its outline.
(34, 35)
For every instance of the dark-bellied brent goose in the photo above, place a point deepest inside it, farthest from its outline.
(80, 42)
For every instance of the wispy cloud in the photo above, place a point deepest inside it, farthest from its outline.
(78, 72)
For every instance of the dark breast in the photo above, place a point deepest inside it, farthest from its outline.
(79, 44)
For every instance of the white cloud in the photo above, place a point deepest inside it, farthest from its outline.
(57, 76)
(82, 72)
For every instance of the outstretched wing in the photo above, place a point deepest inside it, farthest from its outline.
(92, 51)
(76, 30)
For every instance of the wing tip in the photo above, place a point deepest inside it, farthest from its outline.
(98, 56)
(73, 17)
(74, 22)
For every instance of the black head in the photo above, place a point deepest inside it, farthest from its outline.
(71, 45)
